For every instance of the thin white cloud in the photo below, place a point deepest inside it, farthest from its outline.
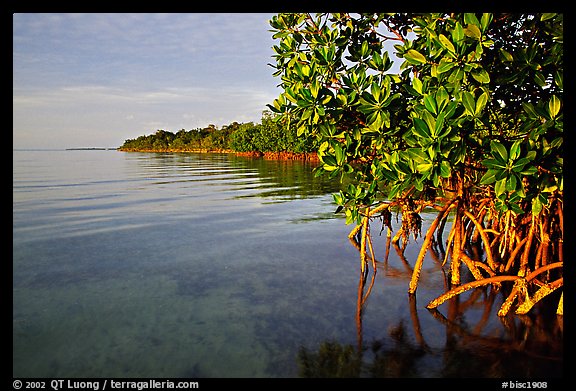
(116, 114)
(110, 77)
(97, 96)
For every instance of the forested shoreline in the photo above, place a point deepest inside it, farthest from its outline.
(268, 139)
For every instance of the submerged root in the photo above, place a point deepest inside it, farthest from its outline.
(495, 249)
(519, 291)
(470, 285)
(544, 291)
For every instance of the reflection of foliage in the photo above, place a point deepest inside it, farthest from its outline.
(532, 346)
(331, 360)
(465, 355)
(287, 178)
(400, 361)
(336, 360)
(531, 353)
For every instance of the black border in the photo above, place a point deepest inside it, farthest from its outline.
(12, 6)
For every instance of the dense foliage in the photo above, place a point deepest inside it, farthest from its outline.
(471, 125)
(267, 136)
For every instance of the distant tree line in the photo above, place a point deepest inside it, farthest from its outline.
(267, 136)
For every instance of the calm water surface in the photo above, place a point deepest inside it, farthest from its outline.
(211, 265)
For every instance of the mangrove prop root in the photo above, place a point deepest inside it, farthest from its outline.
(398, 235)
(515, 254)
(456, 247)
(526, 254)
(369, 241)
(369, 290)
(472, 266)
(440, 230)
(369, 213)
(363, 244)
(424, 248)
(504, 248)
(483, 210)
(520, 287)
(484, 237)
(465, 287)
(449, 243)
(544, 291)
(484, 267)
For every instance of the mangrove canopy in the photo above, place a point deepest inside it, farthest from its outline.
(470, 124)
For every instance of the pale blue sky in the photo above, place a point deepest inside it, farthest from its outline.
(96, 79)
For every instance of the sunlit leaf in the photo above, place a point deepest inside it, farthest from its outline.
(457, 33)
(430, 103)
(439, 124)
(489, 177)
(554, 106)
(469, 102)
(421, 128)
(505, 55)
(485, 21)
(424, 167)
(445, 65)
(472, 31)
(441, 98)
(481, 103)
(494, 163)
(518, 166)
(500, 187)
(470, 18)
(530, 110)
(339, 154)
(481, 76)
(417, 84)
(515, 150)
(446, 43)
(445, 169)
(430, 121)
(536, 206)
(511, 183)
(499, 150)
(414, 57)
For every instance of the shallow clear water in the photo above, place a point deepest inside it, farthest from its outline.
(211, 265)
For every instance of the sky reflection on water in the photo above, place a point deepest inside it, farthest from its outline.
(186, 265)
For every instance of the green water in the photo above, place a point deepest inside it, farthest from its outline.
(199, 265)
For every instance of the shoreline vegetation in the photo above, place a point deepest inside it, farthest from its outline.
(91, 149)
(269, 140)
(281, 155)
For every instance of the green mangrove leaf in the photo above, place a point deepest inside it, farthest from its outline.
(554, 106)
(489, 177)
(499, 150)
(472, 31)
(446, 43)
(414, 57)
(469, 102)
(417, 85)
(481, 103)
(500, 187)
(481, 76)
